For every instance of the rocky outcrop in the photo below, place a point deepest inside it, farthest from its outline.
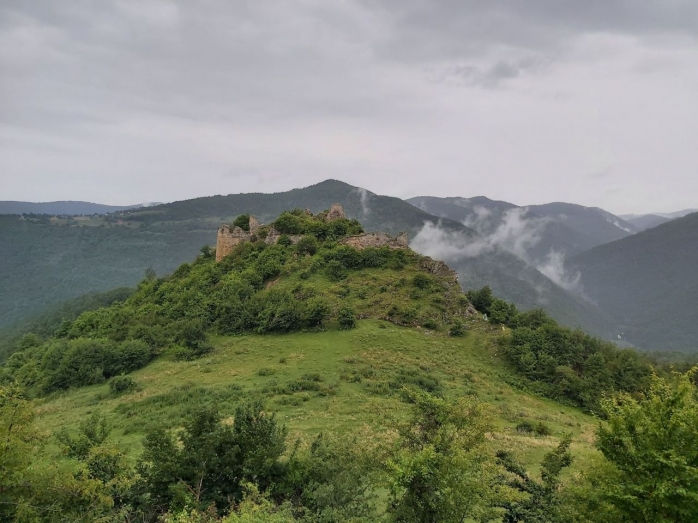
(376, 239)
(336, 212)
(439, 268)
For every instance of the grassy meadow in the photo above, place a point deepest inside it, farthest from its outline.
(341, 381)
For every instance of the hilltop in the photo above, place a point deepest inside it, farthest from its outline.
(47, 262)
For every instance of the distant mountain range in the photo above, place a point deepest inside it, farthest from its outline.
(646, 221)
(587, 267)
(64, 208)
(648, 284)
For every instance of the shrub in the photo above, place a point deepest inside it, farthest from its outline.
(481, 299)
(288, 223)
(457, 330)
(242, 221)
(266, 371)
(307, 245)
(346, 318)
(121, 384)
(284, 240)
(539, 429)
(316, 312)
(335, 271)
(429, 323)
(421, 281)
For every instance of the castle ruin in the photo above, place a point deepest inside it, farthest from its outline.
(230, 236)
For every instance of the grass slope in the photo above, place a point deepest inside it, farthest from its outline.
(338, 381)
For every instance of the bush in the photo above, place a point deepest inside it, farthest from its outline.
(346, 318)
(121, 384)
(289, 223)
(335, 271)
(429, 323)
(457, 330)
(539, 429)
(242, 221)
(307, 245)
(421, 281)
(284, 240)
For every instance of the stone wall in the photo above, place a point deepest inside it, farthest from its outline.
(228, 238)
(377, 239)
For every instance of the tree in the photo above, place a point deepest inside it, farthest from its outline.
(440, 471)
(211, 461)
(34, 487)
(543, 501)
(652, 444)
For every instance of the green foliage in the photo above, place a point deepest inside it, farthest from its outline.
(120, 384)
(335, 271)
(422, 281)
(92, 432)
(440, 472)
(571, 366)
(242, 221)
(543, 501)
(33, 487)
(458, 329)
(652, 444)
(54, 320)
(346, 318)
(60, 364)
(481, 299)
(528, 427)
(332, 481)
(210, 461)
(307, 245)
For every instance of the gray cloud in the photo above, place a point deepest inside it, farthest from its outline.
(161, 100)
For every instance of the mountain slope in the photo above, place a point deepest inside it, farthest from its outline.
(648, 284)
(517, 229)
(646, 221)
(45, 264)
(60, 208)
(601, 225)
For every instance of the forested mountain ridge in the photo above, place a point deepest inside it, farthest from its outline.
(358, 349)
(46, 263)
(62, 208)
(648, 284)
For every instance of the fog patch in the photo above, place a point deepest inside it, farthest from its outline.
(516, 233)
(554, 269)
(364, 195)
(441, 244)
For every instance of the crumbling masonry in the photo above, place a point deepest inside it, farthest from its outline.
(230, 237)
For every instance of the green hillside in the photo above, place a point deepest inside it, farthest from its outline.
(371, 360)
(647, 284)
(45, 262)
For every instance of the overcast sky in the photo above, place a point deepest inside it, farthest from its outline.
(593, 102)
